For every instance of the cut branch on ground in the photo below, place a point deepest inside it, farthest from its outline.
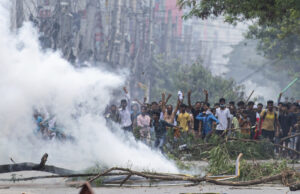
(28, 166)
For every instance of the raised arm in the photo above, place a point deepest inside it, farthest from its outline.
(177, 106)
(167, 100)
(163, 95)
(139, 102)
(206, 95)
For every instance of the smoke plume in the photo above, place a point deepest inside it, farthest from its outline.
(34, 79)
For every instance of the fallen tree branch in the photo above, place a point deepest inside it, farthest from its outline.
(124, 181)
(284, 147)
(257, 141)
(295, 187)
(195, 180)
(63, 176)
(282, 176)
(101, 174)
(27, 166)
(245, 140)
(168, 177)
(289, 137)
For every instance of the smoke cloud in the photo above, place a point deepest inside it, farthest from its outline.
(34, 79)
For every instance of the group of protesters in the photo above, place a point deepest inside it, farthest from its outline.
(273, 122)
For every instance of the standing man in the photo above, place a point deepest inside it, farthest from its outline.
(260, 107)
(160, 130)
(207, 120)
(143, 122)
(196, 110)
(223, 115)
(269, 122)
(125, 112)
(295, 128)
(250, 116)
(168, 112)
(113, 114)
(183, 119)
(285, 121)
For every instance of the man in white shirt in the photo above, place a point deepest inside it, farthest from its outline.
(125, 112)
(223, 115)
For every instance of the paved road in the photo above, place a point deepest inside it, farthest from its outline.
(58, 186)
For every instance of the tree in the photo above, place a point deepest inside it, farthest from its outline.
(174, 76)
(276, 25)
(266, 12)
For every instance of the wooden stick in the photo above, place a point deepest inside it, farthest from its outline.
(257, 141)
(280, 176)
(249, 96)
(101, 174)
(278, 145)
(124, 181)
(27, 166)
(289, 137)
(179, 177)
(64, 176)
(166, 177)
(295, 187)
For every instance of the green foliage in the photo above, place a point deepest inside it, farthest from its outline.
(254, 170)
(172, 77)
(97, 168)
(220, 163)
(219, 160)
(261, 150)
(136, 133)
(265, 12)
(276, 26)
(197, 149)
(244, 60)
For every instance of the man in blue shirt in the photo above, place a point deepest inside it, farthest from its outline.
(207, 119)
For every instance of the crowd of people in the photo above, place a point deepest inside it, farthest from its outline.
(150, 122)
(273, 122)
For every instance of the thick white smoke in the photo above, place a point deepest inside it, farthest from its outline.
(30, 78)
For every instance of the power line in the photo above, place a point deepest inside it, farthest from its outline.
(257, 70)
